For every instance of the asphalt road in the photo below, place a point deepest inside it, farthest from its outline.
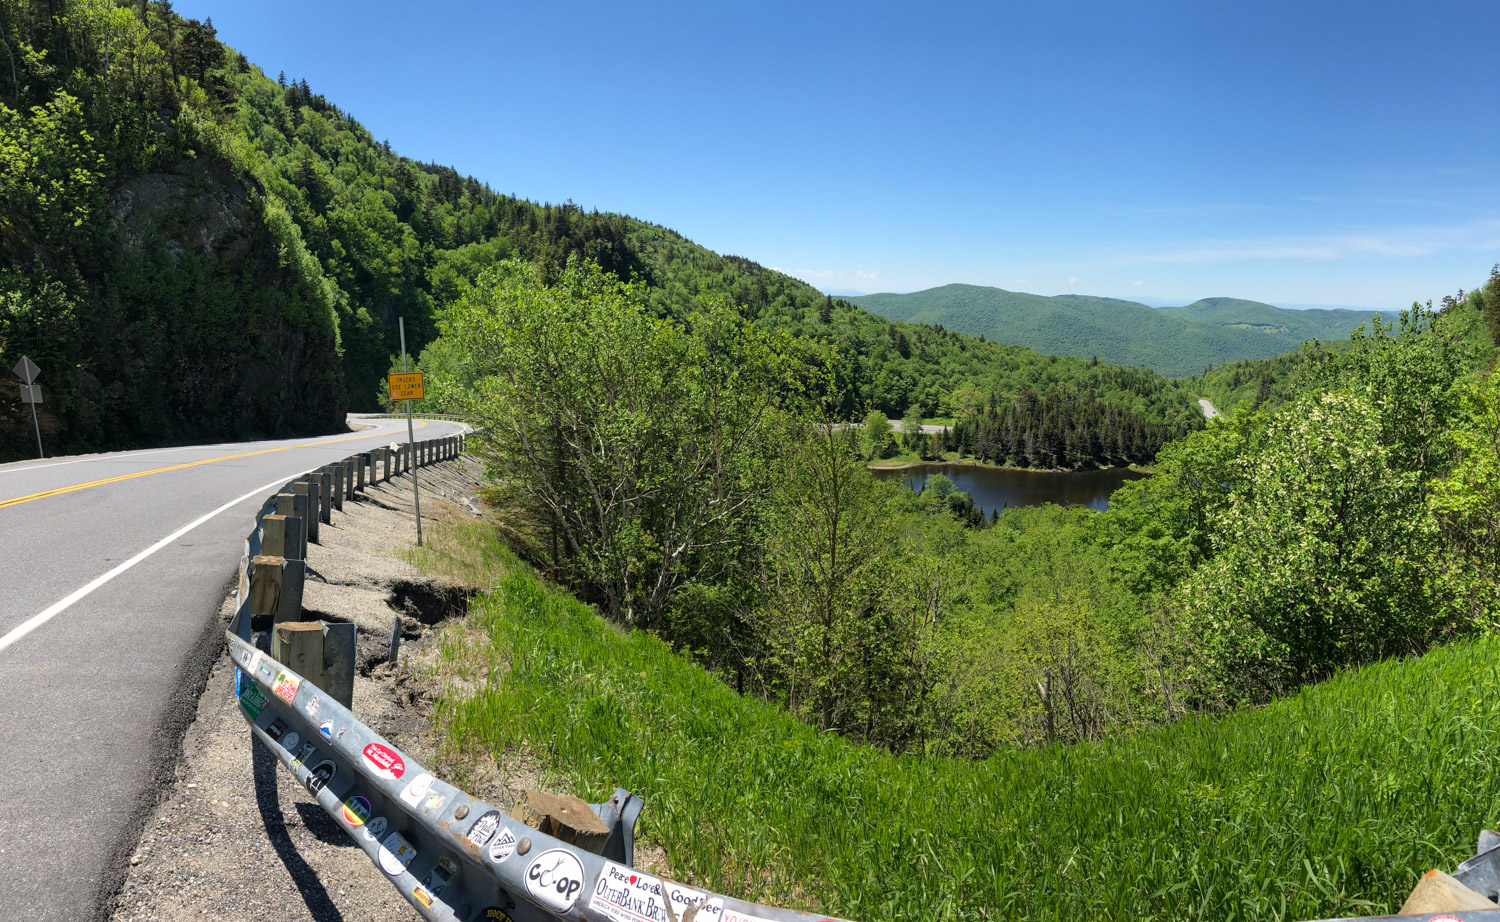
(112, 570)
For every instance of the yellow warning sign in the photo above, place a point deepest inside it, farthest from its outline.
(406, 385)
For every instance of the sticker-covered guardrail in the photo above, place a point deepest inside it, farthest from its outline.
(452, 857)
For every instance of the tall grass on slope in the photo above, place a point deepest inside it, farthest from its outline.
(1330, 803)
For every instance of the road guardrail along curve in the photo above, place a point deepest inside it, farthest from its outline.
(452, 857)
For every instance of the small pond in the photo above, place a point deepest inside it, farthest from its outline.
(990, 487)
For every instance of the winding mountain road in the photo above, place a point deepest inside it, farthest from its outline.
(112, 571)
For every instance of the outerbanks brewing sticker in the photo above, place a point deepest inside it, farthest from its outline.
(626, 895)
(555, 878)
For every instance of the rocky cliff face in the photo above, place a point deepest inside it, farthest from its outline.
(187, 325)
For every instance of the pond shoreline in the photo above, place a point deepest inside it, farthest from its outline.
(991, 486)
(986, 466)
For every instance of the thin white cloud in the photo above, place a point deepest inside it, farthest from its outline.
(1415, 241)
(1137, 283)
(1072, 280)
(838, 275)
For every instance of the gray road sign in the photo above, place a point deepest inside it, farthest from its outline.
(27, 371)
(31, 393)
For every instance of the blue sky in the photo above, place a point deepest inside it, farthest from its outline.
(1302, 152)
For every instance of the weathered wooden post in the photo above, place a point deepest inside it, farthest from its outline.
(293, 506)
(299, 646)
(389, 459)
(308, 490)
(324, 480)
(361, 462)
(338, 662)
(276, 587)
(338, 486)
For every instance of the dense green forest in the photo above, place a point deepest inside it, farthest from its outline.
(714, 500)
(1174, 341)
(1270, 382)
(190, 248)
(1332, 555)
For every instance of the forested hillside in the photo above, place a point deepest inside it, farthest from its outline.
(1252, 384)
(194, 249)
(1176, 341)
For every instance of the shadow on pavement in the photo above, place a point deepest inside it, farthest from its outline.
(264, 766)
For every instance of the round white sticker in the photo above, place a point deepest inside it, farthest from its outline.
(555, 878)
(418, 789)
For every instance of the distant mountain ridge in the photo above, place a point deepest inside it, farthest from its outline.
(1175, 341)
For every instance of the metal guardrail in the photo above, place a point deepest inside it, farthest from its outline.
(447, 416)
(452, 857)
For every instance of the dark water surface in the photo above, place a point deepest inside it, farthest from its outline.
(992, 486)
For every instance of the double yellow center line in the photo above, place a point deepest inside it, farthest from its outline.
(59, 491)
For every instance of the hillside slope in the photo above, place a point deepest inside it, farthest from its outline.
(194, 250)
(1329, 803)
(1266, 319)
(1173, 341)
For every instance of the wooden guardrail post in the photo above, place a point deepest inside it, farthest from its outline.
(361, 462)
(338, 484)
(293, 508)
(348, 465)
(308, 491)
(273, 541)
(324, 482)
(338, 661)
(299, 646)
(386, 471)
(276, 587)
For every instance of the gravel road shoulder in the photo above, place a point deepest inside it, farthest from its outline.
(235, 837)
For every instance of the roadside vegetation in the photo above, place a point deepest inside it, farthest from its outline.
(689, 479)
(1330, 802)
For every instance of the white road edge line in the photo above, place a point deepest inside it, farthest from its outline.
(57, 608)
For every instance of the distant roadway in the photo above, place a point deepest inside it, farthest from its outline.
(112, 571)
(1208, 409)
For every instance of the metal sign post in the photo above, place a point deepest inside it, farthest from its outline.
(31, 393)
(411, 438)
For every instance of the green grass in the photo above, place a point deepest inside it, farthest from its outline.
(1329, 803)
